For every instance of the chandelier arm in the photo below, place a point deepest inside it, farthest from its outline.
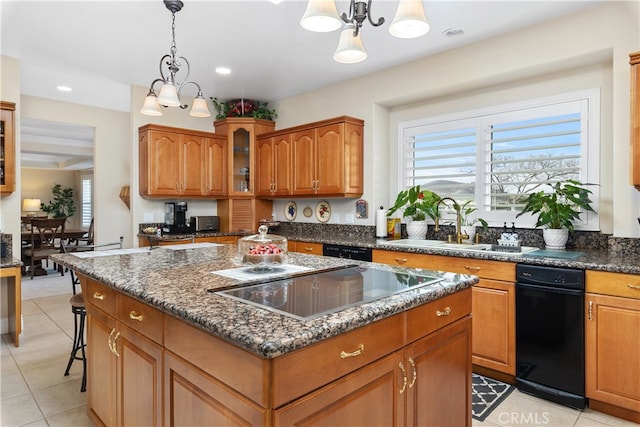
(182, 85)
(380, 21)
(169, 60)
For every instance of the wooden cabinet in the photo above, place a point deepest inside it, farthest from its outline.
(273, 166)
(7, 148)
(124, 347)
(328, 159)
(243, 214)
(494, 315)
(305, 247)
(634, 60)
(180, 163)
(612, 343)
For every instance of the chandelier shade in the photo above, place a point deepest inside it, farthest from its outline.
(171, 89)
(409, 21)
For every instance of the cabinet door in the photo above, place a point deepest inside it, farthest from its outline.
(368, 397)
(353, 159)
(635, 118)
(193, 398)
(265, 167)
(437, 368)
(282, 165)
(329, 159)
(101, 368)
(192, 155)
(7, 149)
(164, 163)
(613, 350)
(304, 174)
(139, 380)
(215, 167)
(494, 323)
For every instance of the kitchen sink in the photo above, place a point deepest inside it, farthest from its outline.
(439, 244)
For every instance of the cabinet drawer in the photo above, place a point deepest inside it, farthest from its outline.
(232, 240)
(304, 370)
(427, 318)
(308, 248)
(616, 284)
(98, 295)
(140, 316)
(498, 270)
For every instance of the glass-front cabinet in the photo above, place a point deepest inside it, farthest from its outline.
(7, 148)
(241, 162)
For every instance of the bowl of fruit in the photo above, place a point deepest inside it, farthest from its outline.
(262, 250)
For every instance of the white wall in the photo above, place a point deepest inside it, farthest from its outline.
(37, 183)
(544, 55)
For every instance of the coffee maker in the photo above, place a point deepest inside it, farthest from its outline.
(175, 217)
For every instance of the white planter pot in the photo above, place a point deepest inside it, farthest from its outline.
(555, 239)
(417, 230)
(470, 230)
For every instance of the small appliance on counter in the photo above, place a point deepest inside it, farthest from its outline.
(205, 223)
(175, 218)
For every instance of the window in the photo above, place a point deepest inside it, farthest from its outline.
(495, 156)
(87, 200)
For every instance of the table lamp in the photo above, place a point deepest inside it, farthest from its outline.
(31, 206)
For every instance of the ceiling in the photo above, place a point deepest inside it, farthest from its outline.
(101, 48)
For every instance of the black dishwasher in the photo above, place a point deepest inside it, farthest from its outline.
(349, 252)
(550, 333)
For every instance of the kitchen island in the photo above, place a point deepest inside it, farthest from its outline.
(164, 348)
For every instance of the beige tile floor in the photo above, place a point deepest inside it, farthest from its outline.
(34, 391)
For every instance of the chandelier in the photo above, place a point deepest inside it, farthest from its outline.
(322, 16)
(170, 66)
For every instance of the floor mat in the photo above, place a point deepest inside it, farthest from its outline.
(487, 395)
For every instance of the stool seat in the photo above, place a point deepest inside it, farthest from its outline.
(80, 314)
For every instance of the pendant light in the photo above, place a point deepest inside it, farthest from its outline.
(350, 48)
(170, 66)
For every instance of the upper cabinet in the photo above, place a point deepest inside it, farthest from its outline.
(7, 148)
(181, 163)
(317, 159)
(635, 119)
(240, 133)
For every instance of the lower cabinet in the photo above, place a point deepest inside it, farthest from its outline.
(305, 247)
(427, 383)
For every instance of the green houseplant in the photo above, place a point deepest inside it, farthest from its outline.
(416, 204)
(468, 222)
(559, 209)
(62, 205)
(243, 108)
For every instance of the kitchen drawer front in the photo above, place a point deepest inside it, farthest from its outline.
(615, 284)
(306, 248)
(141, 317)
(231, 240)
(488, 269)
(427, 318)
(98, 295)
(299, 372)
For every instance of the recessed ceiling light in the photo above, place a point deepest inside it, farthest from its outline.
(223, 70)
(450, 32)
(64, 88)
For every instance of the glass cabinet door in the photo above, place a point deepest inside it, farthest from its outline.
(241, 161)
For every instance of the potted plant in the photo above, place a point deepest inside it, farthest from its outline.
(243, 108)
(558, 210)
(62, 205)
(416, 204)
(468, 223)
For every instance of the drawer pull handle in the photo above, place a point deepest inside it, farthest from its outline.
(472, 268)
(445, 312)
(415, 372)
(630, 286)
(135, 316)
(98, 295)
(401, 260)
(308, 249)
(404, 377)
(358, 352)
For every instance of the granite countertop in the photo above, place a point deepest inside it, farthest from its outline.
(8, 262)
(176, 281)
(601, 260)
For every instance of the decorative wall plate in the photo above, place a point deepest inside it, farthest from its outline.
(323, 211)
(290, 211)
(308, 211)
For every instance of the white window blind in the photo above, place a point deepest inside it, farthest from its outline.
(495, 157)
(87, 200)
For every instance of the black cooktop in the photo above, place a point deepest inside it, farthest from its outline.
(310, 296)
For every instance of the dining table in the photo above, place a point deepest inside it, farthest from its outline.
(70, 234)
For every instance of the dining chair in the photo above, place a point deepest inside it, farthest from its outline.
(79, 310)
(85, 243)
(47, 235)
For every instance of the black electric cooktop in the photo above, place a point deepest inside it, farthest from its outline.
(310, 296)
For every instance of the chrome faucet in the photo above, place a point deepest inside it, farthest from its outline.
(460, 236)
